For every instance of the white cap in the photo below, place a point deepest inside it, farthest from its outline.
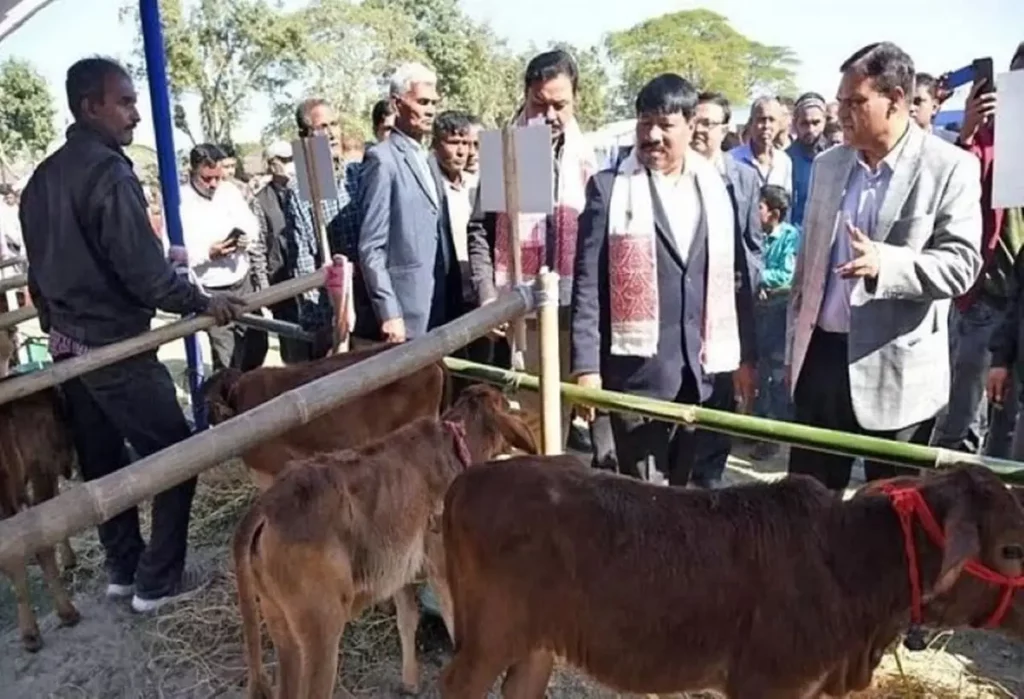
(279, 149)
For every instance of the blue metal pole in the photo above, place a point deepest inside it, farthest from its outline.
(163, 127)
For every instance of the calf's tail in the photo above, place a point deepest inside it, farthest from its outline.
(245, 540)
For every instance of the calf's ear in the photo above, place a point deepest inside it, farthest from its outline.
(962, 544)
(517, 433)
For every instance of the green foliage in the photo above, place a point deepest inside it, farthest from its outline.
(26, 111)
(224, 51)
(703, 47)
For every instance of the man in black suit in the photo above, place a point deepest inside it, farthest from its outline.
(709, 128)
(661, 230)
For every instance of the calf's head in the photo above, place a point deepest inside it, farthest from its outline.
(983, 526)
(492, 428)
(218, 394)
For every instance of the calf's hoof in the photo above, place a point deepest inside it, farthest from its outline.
(69, 616)
(32, 641)
(406, 689)
(260, 688)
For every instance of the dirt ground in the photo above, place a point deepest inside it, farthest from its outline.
(194, 649)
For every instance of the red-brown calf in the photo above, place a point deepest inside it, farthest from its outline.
(36, 450)
(776, 591)
(357, 422)
(341, 531)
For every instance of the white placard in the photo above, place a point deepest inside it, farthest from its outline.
(1008, 165)
(323, 168)
(535, 167)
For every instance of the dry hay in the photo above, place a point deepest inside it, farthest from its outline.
(202, 638)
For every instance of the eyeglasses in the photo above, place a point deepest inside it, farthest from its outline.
(707, 123)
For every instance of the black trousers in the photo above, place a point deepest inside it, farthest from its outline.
(822, 399)
(235, 345)
(672, 446)
(134, 400)
(712, 448)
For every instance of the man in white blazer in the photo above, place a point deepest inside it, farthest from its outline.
(892, 232)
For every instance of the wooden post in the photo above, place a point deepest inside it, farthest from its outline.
(317, 203)
(546, 289)
(19, 386)
(89, 504)
(510, 176)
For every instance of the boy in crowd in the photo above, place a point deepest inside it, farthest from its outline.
(781, 240)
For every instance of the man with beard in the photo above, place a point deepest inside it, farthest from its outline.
(810, 140)
(410, 275)
(769, 163)
(661, 230)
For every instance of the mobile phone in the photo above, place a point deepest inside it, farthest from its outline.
(983, 72)
(979, 70)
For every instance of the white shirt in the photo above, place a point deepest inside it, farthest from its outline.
(205, 221)
(459, 209)
(680, 198)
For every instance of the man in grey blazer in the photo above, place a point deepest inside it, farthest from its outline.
(892, 233)
(410, 279)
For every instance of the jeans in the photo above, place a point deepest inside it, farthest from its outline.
(965, 425)
(773, 399)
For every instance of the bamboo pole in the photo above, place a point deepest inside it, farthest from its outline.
(91, 503)
(17, 317)
(510, 175)
(18, 281)
(21, 386)
(278, 327)
(546, 289)
(11, 261)
(816, 438)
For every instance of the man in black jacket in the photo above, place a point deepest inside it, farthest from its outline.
(97, 274)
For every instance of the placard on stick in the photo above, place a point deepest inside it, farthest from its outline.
(1008, 167)
(534, 167)
(314, 169)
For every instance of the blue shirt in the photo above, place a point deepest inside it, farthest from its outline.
(803, 158)
(779, 173)
(862, 201)
(780, 256)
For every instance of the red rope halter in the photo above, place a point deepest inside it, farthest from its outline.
(907, 502)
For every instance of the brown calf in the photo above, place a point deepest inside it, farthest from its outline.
(339, 532)
(776, 591)
(36, 450)
(230, 392)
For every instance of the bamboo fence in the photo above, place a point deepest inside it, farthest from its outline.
(89, 504)
(693, 416)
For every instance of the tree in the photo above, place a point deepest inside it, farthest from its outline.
(224, 52)
(26, 110)
(593, 86)
(701, 46)
(476, 70)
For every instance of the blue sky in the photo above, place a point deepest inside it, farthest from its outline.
(939, 34)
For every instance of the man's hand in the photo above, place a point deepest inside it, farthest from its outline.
(977, 109)
(744, 386)
(225, 308)
(998, 384)
(222, 249)
(865, 262)
(588, 381)
(393, 330)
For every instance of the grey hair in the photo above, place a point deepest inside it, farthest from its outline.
(406, 75)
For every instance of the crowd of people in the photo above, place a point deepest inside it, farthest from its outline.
(837, 263)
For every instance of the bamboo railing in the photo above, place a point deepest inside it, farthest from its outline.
(20, 386)
(91, 503)
(816, 438)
